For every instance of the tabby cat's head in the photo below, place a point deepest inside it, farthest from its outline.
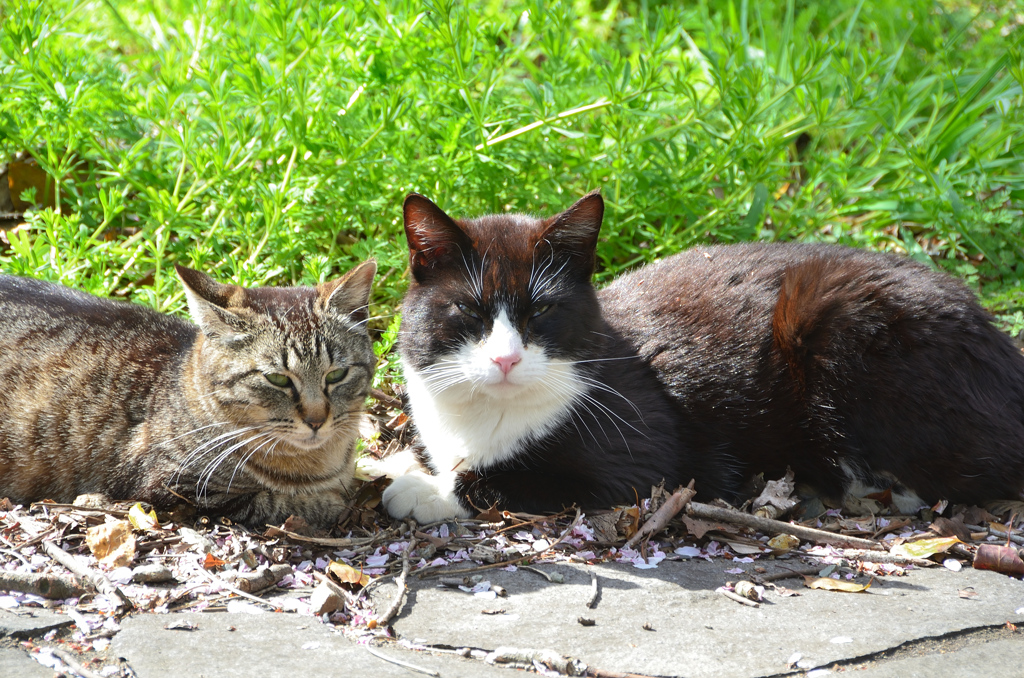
(500, 306)
(292, 363)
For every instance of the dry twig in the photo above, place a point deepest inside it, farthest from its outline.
(386, 400)
(698, 510)
(73, 663)
(883, 557)
(738, 598)
(423, 574)
(97, 579)
(403, 588)
(234, 589)
(660, 519)
(399, 662)
(47, 585)
(595, 590)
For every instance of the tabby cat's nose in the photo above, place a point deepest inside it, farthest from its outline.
(315, 421)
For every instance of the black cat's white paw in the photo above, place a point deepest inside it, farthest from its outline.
(426, 498)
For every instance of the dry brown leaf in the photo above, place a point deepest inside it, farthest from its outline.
(112, 543)
(346, 574)
(924, 548)
(945, 527)
(743, 548)
(629, 521)
(491, 515)
(603, 525)
(829, 584)
(698, 528)
(783, 543)
(141, 520)
(775, 499)
(969, 593)
(211, 561)
(1002, 559)
(298, 525)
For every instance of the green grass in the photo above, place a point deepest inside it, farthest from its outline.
(272, 141)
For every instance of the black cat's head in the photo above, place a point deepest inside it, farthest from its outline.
(500, 305)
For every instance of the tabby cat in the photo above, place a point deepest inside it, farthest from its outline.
(533, 391)
(253, 413)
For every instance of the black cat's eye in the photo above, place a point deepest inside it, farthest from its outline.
(540, 310)
(278, 379)
(334, 376)
(467, 310)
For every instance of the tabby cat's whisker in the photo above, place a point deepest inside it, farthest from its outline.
(244, 459)
(200, 451)
(202, 485)
(195, 430)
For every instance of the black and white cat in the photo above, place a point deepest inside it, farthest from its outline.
(533, 391)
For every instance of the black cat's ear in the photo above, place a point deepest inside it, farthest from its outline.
(576, 229)
(349, 295)
(433, 236)
(209, 304)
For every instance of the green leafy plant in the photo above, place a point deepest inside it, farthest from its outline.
(272, 141)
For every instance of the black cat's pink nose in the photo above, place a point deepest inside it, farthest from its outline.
(507, 362)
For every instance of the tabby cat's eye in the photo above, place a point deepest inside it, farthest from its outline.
(278, 379)
(334, 376)
(541, 310)
(468, 311)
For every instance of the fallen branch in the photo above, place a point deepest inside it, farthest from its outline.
(767, 525)
(73, 663)
(386, 400)
(234, 589)
(86, 574)
(273, 531)
(399, 662)
(526, 657)
(660, 519)
(738, 598)
(403, 587)
(788, 574)
(554, 578)
(263, 578)
(504, 563)
(1015, 538)
(52, 586)
(883, 557)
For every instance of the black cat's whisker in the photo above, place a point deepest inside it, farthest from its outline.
(610, 413)
(474, 277)
(601, 386)
(603, 360)
(546, 282)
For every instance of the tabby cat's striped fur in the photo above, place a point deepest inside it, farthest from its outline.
(251, 413)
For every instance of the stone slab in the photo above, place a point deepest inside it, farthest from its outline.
(697, 632)
(15, 663)
(268, 645)
(30, 623)
(997, 659)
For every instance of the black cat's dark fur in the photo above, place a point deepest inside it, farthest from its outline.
(851, 367)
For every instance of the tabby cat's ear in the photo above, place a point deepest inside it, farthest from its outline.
(349, 295)
(576, 229)
(208, 302)
(433, 236)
